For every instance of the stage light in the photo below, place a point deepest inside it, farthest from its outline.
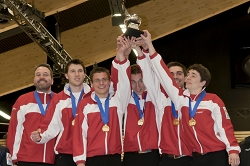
(5, 13)
(32, 12)
(117, 9)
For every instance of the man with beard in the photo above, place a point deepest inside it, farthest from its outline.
(63, 112)
(27, 112)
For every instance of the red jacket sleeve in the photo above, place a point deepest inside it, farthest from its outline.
(12, 130)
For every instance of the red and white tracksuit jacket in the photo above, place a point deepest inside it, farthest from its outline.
(25, 118)
(139, 138)
(59, 121)
(171, 140)
(89, 139)
(213, 130)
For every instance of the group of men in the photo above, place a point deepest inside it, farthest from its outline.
(165, 123)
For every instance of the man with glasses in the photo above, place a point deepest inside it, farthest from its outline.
(98, 125)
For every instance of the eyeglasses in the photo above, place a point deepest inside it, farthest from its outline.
(99, 80)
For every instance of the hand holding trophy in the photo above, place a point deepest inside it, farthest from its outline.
(132, 22)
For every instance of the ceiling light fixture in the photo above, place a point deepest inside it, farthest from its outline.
(118, 12)
(6, 116)
(5, 13)
(117, 9)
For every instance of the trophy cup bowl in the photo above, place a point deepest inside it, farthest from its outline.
(132, 22)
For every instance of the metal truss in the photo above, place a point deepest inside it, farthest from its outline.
(29, 20)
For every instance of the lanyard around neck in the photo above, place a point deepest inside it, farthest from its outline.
(73, 102)
(104, 113)
(174, 110)
(192, 112)
(40, 105)
(140, 111)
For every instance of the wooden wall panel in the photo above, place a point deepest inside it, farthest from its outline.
(17, 67)
(95, 41)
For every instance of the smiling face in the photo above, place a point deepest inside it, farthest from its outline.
(75, 75)
(178, 75)
(101, 83)
(43, 79)
(193, 82)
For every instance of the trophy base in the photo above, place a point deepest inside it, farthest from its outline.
(133, 32)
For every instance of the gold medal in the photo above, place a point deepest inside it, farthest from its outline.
(105, 128)
(140, 122)
(176, 121)
(73, 122)
(192, 122)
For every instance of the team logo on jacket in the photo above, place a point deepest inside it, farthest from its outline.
(226, 113)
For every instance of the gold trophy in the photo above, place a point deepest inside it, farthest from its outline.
(132, 22)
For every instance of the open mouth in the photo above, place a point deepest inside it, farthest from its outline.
(102, 87)
(42, 81)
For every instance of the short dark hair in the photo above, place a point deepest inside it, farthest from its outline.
(184, 69)
(45, 65)
(135, 69)
(203, 71)
(98, 70)
(75, 62)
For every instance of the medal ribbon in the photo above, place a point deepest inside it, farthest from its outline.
(104, 114)
(174, 110)
(192, 112)
(74, 107)
(40, 105)
(136, 98)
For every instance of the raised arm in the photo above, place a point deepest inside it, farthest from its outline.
(123, 92)
(124, 52)
(150, 80)
(162, 72)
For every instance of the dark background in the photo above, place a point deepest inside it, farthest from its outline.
(220, 43)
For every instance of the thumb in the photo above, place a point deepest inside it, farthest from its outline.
(145, 33)
(39, 130)
(143, 37)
